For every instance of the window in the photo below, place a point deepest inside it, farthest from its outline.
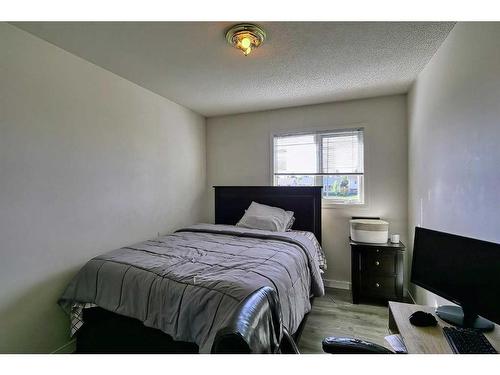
(332, 159)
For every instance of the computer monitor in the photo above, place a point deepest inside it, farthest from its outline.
(463, 270)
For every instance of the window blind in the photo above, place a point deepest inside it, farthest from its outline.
(296, 154)
(342, 153)
(321, 153)
(332, 159)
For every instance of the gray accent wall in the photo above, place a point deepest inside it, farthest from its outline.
(89, 162)
(454, 139)
(239, 153)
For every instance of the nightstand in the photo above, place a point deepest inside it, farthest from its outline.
(377, 271)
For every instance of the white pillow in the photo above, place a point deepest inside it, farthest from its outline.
(260, 216)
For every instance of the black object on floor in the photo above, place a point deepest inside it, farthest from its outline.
(467, 341)
(347, 345)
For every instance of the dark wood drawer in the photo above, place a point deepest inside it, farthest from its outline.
(374, 249)
(378, 286)
(377, 271)
(378, 263)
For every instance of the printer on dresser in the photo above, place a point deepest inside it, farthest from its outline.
(376, 268)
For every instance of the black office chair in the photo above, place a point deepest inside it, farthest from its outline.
(256, 327)
(344, 345)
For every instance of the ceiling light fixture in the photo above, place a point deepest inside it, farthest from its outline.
(245, 36)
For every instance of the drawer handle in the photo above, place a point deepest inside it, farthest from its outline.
(377, 285)
(377, 250)
(377, 263)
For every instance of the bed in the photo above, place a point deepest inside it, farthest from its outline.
(173, 293)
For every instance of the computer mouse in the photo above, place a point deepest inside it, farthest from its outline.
(422, 319)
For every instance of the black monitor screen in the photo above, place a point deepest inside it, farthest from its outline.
(463, 270)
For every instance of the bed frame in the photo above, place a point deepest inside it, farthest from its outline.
(107, 332)
(232, 201)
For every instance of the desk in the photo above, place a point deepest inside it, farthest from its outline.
(426, 340)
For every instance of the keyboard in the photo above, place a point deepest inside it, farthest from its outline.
(467, 341)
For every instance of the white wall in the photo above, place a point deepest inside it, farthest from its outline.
(238, 153)
(89, 162)
(454, 138)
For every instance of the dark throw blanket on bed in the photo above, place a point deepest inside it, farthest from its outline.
(189, 283)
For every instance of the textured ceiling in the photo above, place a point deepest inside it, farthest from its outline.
(300, 63)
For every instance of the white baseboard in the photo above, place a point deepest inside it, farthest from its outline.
(337, 284)
(67, 348)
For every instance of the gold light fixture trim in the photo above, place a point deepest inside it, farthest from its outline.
(246, 37)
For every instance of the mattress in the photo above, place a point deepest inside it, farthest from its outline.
(187, 284)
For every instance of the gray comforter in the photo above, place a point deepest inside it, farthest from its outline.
(187, 284)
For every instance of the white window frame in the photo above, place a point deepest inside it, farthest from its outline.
(327, 203)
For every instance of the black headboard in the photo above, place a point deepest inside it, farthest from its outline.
(232, 201)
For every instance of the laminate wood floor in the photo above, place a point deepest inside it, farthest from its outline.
(335, 315)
